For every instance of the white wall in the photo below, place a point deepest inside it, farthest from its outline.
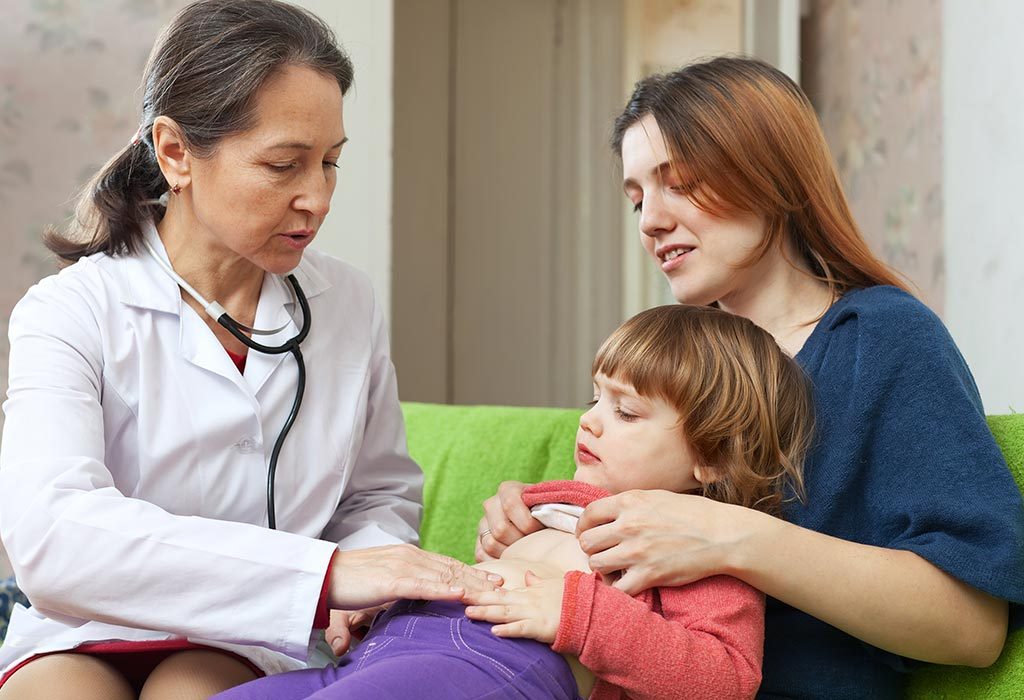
(358, 229)
(983, 181)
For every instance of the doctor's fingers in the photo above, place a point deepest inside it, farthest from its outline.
(456, 573)
(408, 561)
(339, 638)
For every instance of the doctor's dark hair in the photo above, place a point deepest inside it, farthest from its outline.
(746, 138)
(204, 72)
(744, 406)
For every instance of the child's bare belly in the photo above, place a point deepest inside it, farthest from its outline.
(548, 554)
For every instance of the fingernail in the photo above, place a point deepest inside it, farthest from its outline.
(495, 577)
(456, 589)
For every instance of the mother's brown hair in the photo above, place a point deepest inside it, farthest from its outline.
(745, 407)
(749, 137)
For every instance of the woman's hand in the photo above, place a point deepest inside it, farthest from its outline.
(884, 597)
(532, 612)
(506, 519)
(659, 538)
(343, 623)
(364, 578)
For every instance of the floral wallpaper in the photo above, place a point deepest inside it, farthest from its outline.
(873, 70)
(69, 99)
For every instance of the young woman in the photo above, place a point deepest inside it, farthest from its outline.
(140, 431)
(909, 543)
(688, 399)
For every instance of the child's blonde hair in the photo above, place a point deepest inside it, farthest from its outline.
(745, 406)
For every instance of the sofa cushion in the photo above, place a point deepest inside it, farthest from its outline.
(466, 451)
(1004, 679)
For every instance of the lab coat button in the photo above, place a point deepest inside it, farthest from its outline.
(247, 445)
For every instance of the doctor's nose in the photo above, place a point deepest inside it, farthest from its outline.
(316, 194)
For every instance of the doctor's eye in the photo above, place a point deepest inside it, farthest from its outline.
(331, 164)
(282, 167)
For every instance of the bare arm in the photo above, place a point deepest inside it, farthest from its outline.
(891, 599)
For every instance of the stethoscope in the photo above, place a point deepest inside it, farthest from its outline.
(239, 330)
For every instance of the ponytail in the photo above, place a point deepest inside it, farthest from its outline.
(113, 207)
(204, 73)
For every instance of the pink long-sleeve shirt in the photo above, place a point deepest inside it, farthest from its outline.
(701, 640)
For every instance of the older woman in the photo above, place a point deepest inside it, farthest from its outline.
(152, 435)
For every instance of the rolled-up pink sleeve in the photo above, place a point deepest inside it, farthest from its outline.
(707, 641)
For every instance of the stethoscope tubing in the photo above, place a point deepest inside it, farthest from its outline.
(291, 346)
(217, 312)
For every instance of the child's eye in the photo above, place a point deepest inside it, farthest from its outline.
(591, 403)
(625, 415)
(638, 206)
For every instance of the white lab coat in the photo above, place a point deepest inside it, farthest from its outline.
(134, 461)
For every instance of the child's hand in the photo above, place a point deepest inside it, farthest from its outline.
(343, 622)
(532, 612)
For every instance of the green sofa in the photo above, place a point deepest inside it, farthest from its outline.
(466, 451)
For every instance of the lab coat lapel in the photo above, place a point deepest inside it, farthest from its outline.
(276, 308)
(200, 346)
(145, 285)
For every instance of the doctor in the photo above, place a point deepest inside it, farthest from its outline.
(134, 471)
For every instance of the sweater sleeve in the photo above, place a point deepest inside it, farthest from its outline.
(706, 643)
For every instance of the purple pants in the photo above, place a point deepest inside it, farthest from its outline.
(426, 651)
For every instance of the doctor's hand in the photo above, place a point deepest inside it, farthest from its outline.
(506, 519)
(339, 632)
(364, 578)
(660, 538)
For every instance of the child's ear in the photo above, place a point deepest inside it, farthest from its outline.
(705, 475)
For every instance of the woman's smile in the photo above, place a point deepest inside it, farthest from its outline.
(672, 255)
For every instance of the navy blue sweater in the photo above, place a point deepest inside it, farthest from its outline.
(903, 459)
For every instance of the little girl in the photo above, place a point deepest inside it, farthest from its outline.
(687, 399)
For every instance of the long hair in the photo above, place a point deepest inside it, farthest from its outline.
(749, 136)
(204, 72)
(745, 407)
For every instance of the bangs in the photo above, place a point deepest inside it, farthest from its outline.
(645, 352)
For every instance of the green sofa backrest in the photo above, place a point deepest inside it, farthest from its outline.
(466, 451)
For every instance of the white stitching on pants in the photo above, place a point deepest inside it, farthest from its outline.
(505, 670)
(372, 649)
